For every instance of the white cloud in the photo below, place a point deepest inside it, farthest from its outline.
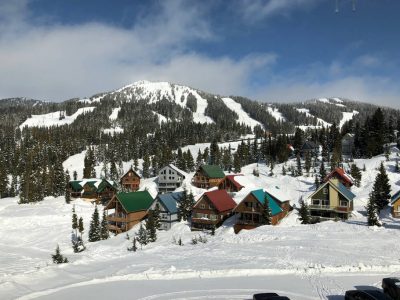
(255, 10)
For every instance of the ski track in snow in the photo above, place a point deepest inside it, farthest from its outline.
(53, 119)
(243, 116)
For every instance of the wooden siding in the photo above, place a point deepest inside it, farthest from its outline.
(130, 181)
(205, 216)
(201, 180)
(396, 209)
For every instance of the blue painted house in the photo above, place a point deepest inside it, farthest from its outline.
(168, 205)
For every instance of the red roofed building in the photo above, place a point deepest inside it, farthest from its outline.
(340, 175)
(230, 184)
(212, 209)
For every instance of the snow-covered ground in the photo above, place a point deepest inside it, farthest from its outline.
(243, 116)
(347, 116)
(320, 123)
(316, 261)
(114, 113)
(276, 114)
(53, 119)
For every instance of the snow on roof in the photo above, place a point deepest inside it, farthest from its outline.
(178, 170)
(221, 200)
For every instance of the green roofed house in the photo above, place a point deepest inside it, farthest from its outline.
(75, 188)
(98, 190)
(208, 176)
(125, 210)
(250, 209)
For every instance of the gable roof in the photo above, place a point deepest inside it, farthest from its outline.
(340, 188)
(170, 201)
(342, 175)
(213, 171)
(231, 178)
(395, 197)
(104, 184)
(131, 170)
(75, 184)
(262, 195)
(309, 145)
(179, 171)
(135, 201)
(221, 200)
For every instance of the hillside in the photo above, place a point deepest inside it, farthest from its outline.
(307, 255)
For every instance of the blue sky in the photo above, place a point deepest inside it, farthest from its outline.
(269, 50)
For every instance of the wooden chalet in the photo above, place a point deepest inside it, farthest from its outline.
(251, 208)
(309, 147)
(130, 181)
(168, 206)
(125, 210)
(208, 176)
(332, 200)
(211, 210)
(230, 184)
(342, 176)
(98, 190)
(395, 203)
(75, 188)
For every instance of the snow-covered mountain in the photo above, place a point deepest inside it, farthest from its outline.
(206, 108)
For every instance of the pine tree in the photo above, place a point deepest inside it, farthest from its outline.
(381, 189)
(283, 171)
(322, 172)
(304, 213)
(142, 236)
(299, 171)
(80, 226)
(157, 216)
(75, 175)
(94, 230)
(134, 246)
(67, 193)
(307, 163)
(3, 179)
(397, 168)
(104, 233)
(213, 230)
(199, 159)
(237, 164)
(355, 172)
(74, 220)
(59, 178)
(146, 166)
(58, 258)
(266, 213)
(150, 228)
(372, 215)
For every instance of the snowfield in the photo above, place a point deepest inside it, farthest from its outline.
(276, 114)
(243, 116)
(347, 116)
(320, 123)
(53, 119)
(318, 261)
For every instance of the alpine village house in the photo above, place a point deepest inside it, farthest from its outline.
(208, 176)
(342, 176)
(332, 200)
(93, 190)
(168, 206)
(130, 181)
(230, 184)
(170, 178)
(251, 208)
(395, 203)
(125, 210)
(211, 210)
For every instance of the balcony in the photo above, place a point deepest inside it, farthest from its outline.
(116, 218)
(331, 208)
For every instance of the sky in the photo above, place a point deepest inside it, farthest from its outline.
(267, 50)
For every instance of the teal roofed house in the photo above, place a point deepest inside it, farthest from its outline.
(251, 208)
(168, 205)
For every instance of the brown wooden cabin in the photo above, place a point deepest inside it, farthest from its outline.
(230, 184)
(250, 210)
(98, 190)
(341, 175)
(125, 210)
(208, 176)
(395, 203)
(211, 210)
(75, 188)
(130, 181)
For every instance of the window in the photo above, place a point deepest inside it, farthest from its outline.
(343, 203)
(325, 191)
(316, 202)
(202, 206)
(169, 172)
(210, 207)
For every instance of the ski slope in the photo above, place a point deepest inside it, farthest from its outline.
(276, 114)
(320, 122)
(53, 119)
(347, 116)
(244, 118)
